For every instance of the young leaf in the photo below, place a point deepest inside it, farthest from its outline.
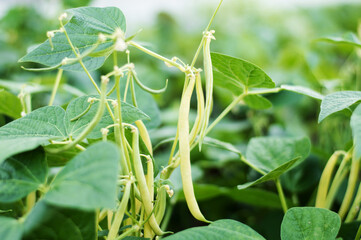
(88, 181)
(337, 101)
(83, 30)
(303, 90)
(21, 175)
(257, 102)
(356, 129)
(349, 38)
(52, 222)
(239, 72)
(310, 223)
(10, 229)
(268, 153)
(221, 229)
(10, 104)
(275, 156)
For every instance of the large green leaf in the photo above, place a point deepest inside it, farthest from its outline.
(21, 175)
(53, 123)
(218, 230)
(356, 129)
(338, 101)
(238, 73)
(269, 153)
(309, 223)
(10, 104)
(275, 155)
(253, 196)
(52, 222)
(10, 229)
(348, 38)
(89, 180)
(83, 30)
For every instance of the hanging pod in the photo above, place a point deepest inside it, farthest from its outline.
(142, 183)
(208, 73)
(184, 151)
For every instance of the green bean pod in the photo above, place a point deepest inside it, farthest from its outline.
(184, 151)
(208, 73)
(142, 183)
(113, 231)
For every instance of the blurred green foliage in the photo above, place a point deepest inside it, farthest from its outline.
(282, 42)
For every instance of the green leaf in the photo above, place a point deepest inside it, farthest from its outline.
(303, 90)
(83, 30)
(308, 223)
(356, 129)
(272, 175)
(268, 153)
(34, 129)
(257, 102)
(239, 73)
(21, 175)
(337, 101)
(10, 229)
(52, 222)
(53, 123)
(218, 230)
(275, 156)
(76, 107)
(348, 38)
(10, 104)
(89, 180)
(222, 145)
(252, 196)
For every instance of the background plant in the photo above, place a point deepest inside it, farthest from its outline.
(266, 162)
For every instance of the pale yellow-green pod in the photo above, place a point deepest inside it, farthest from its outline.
(142, 183)
(113, 231)
(184, 151)
(160, 204)
(208, 73)
(144, 135)
(148, 232)
(200, 109)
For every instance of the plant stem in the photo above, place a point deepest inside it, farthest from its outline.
(56, 86)
(281, 195)
(207, 29)
(156, 55)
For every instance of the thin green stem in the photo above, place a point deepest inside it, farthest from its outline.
(156, 55)
(56, 86)
(202, 41)
(281, 195)
(355, 206)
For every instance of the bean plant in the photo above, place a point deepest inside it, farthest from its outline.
(86, 169)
